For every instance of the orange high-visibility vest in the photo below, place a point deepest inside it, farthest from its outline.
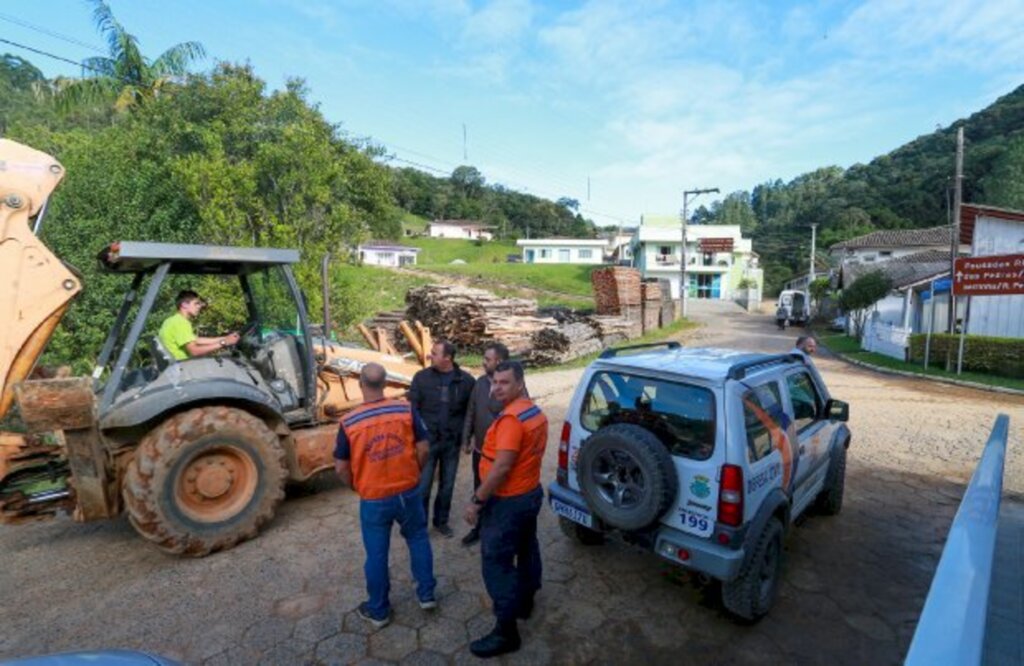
(523, 428)
(383, 448)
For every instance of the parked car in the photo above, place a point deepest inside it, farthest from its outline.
(705, 457)
(838, 324)
(797, 307)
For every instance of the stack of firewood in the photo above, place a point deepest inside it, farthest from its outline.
(564, 343)
(616, 290)
(615, 330)
(471, 318)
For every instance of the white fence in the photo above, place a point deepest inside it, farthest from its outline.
(886, 339)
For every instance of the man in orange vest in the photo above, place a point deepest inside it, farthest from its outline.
(507, 504)
(381, 449)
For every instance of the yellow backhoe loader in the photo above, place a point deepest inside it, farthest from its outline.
(196, 452)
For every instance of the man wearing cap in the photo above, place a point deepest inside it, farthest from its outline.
(506, 505)
(176, 332)
(381, 448)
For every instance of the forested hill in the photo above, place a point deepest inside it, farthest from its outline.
(905, 188)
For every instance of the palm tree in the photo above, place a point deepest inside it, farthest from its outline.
(125, 76)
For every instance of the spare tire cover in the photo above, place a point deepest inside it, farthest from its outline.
(627, 476)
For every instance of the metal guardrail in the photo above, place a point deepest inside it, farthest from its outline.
(951, 629)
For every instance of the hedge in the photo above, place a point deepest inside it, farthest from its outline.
(994, 356)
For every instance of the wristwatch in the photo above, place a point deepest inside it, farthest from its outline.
(223, 342)
(476, 500)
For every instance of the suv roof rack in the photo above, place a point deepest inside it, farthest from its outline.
(612, 353)
(741, 369)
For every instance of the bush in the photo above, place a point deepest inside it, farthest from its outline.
(994, 356)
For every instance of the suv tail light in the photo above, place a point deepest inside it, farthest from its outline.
(730, 496)
(562, 475)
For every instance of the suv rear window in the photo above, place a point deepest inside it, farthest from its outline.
(681, 415)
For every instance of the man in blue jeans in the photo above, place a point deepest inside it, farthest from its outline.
(381, 448)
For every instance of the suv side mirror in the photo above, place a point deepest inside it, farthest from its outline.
(837, 410)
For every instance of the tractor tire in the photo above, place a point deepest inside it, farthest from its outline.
(205, 480)
(830, 500)
(627, 476)
(579, 533)
(752, 594)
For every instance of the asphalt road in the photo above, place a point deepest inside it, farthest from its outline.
(853, 585)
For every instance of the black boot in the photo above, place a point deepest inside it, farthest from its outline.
(503, 638)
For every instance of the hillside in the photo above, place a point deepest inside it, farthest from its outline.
(906, 188)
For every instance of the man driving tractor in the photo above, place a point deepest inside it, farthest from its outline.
(179, 338)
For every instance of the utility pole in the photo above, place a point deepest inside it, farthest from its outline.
(683, 291)
(954, 244)
(814, 237)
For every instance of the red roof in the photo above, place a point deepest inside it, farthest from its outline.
(971, 212)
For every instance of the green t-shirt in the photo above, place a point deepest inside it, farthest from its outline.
(175, 333)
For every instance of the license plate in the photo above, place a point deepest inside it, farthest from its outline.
(572, 513)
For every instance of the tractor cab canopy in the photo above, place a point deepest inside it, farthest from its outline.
(138, 257)
(275, 343)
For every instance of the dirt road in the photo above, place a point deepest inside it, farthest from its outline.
(853, 588)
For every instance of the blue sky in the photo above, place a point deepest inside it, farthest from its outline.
(645, 99)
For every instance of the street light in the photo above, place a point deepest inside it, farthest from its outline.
(683, 291)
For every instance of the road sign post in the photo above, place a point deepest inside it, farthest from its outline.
(996, 275)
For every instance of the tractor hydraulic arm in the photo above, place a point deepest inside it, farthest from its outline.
(36, 288)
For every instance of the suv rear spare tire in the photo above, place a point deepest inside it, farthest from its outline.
(204, 480)
(627, 476)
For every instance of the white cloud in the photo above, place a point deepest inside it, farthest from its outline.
(499, 23)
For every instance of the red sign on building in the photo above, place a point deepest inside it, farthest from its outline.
(716, 245)
(1001, 275)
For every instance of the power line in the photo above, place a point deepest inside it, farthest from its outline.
(52, 55)
(52, 33)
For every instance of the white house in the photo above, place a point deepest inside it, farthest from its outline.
(889, 244)
(620, 248)
(994, 231)
(461, 229)
(563, 250)
(385, 254)
(718, 258)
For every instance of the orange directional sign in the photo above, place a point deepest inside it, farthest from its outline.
(1000, 275)
(716, 244)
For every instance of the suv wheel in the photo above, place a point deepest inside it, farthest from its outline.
(751, 595)
(204, 480)
(627, 476)
(830, 499)
(577, 532)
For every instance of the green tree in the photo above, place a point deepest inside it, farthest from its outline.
(124, 76)
(861, 296)
(1004, 186)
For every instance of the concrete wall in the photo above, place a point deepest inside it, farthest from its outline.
(999, 316)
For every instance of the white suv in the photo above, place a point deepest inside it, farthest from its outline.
(705, 456)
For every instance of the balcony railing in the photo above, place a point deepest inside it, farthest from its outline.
(951, 629)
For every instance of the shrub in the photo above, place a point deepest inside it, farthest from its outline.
(994, 356)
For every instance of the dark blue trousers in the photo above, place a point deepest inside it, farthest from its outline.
(444, 460)
(510, 551)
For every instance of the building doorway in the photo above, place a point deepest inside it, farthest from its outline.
(709, 286)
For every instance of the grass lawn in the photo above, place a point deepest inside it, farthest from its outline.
(570, 279)
(847, 346)
(443, 251)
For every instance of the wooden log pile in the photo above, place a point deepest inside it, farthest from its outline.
(563, 343)
(390, 321)
(471, 318)
(616, 290)
(614, 330)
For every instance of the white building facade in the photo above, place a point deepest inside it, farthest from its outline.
(887, 244)
(718, 258)
(391, 256)
(563, 250)
(460, 229)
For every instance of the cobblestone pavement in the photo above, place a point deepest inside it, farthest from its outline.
(853, 584)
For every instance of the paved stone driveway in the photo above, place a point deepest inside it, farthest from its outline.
(854, 584)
